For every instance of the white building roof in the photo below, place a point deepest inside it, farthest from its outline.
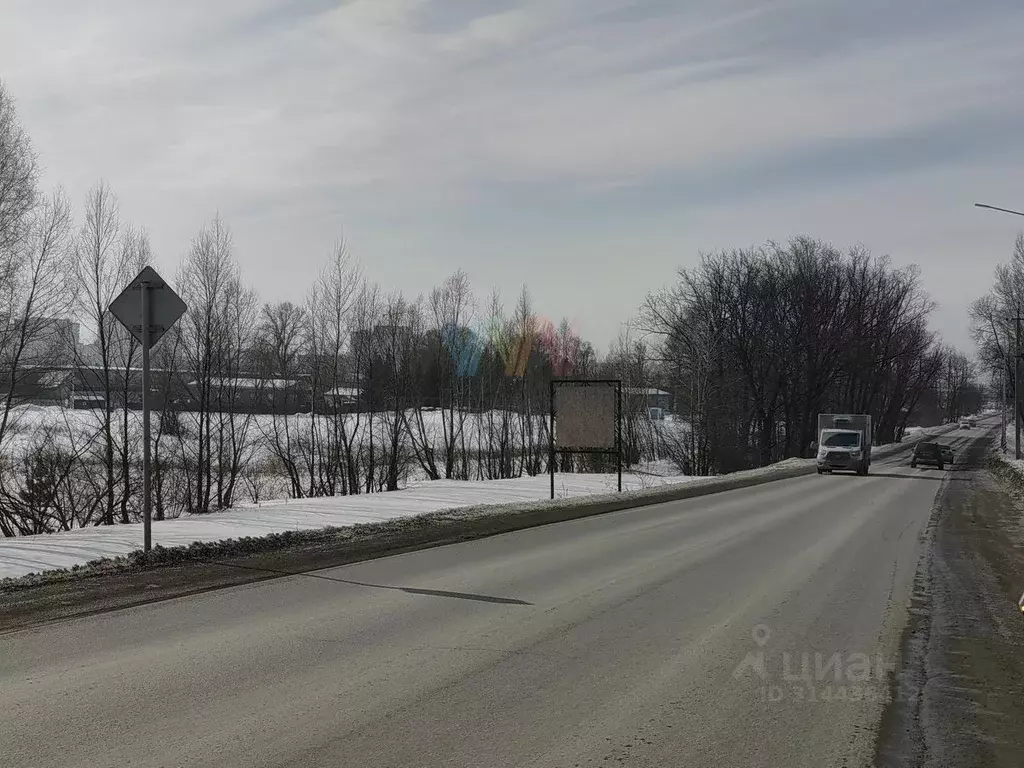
(343, 392)
(250, 383)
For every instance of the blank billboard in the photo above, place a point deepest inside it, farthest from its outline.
(585, 416)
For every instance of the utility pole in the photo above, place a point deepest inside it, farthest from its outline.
(1016, 389)
(1002, 410)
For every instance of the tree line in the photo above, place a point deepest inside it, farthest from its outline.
(373, 388)
(755, 343)
(993, 319)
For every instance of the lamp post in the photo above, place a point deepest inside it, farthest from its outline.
(997, 208)
(1005, 321)
(1016, 352)
(1016, 388)
(1002, 409)
(1016, 383)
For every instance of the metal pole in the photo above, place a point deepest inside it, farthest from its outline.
(551, 435)
(147, 509)
(1002, 410)
(1016, 390)
(312, 414)
(618, 429)
(997, 208)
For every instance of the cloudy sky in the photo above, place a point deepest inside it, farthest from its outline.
(587, 148)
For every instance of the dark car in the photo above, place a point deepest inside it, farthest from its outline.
(930, 454)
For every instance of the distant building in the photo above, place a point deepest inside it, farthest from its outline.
(647, 398)
(343, 399)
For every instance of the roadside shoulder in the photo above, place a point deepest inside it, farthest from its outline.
(109, 584)
(956, 698)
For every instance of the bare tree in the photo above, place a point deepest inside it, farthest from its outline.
(48, 487)
(631, 361)
(755, 343)
(212, 342)
(395, 349)
(237, 391)
(496, 427)
(33, 294)
(446, 385)
(957, 384)
(992, 316)
(282, 331)
(531, 373)
(18, 176)
(338, 359)
(365, 359)
(102, 268)
(126, 354)
(18, 197)
(167, 471)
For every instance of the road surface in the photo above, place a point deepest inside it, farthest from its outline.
(963, 649)
(749, 628)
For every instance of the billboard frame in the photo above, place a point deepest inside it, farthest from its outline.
(553, 451)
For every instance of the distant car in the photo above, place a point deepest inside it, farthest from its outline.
(971, 421)
(930, 454)
(965, 423)
(947, 453)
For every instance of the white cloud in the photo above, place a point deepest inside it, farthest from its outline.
(386, 101)
(396, 108)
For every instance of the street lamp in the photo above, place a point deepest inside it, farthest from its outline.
(1002, 405)
(995, 208)
(1017, 353)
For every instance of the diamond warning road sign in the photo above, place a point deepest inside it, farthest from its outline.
(165, 306)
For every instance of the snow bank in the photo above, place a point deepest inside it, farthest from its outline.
(1007, 458)
(32, 554)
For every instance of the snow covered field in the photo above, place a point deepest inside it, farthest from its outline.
(71, 429)
(33, 554)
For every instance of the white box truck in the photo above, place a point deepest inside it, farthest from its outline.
(844, 442)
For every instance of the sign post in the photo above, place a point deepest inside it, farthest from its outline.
(147, 505)
(148, 308)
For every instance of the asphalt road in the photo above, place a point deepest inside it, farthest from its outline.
(748, 628)
(962, 677)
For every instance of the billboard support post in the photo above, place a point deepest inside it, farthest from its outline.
(618, 430)
(551, 436)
